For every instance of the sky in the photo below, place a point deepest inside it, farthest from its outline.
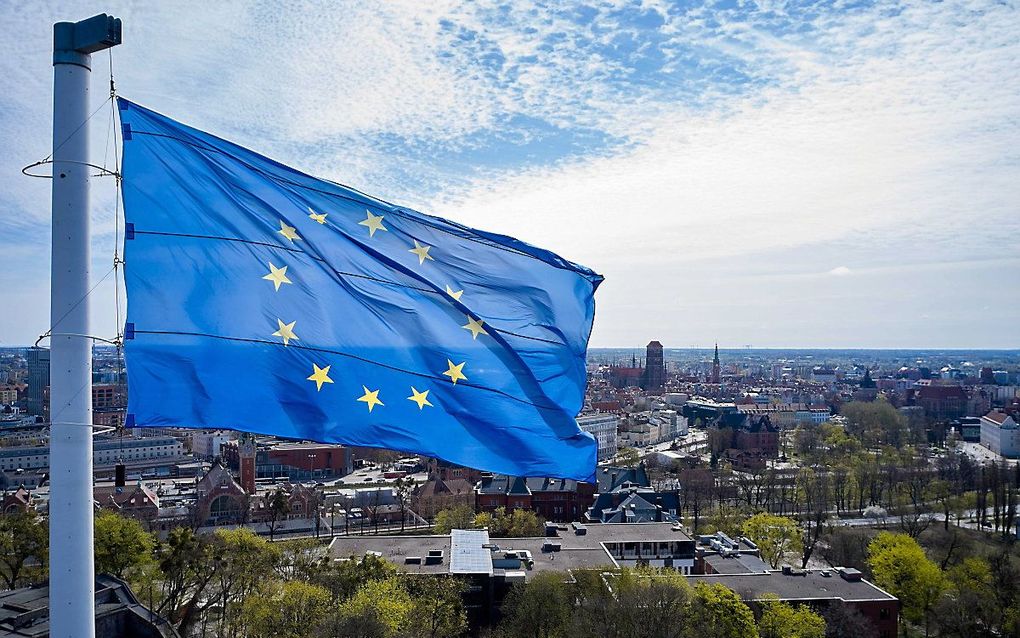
(773, 174)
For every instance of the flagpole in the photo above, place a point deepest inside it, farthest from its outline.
(72, 577)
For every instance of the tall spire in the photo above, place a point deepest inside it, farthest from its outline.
(716, 359)
(715, 365)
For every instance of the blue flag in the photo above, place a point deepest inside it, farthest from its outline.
(265, 300)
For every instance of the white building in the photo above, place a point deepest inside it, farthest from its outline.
(603, 427)
(105, 453)
(206, 443)
(1001, 434)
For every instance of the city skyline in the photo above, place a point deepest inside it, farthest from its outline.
(764, 175)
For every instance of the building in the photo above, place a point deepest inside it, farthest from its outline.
(293, 461)
(715, 366)
(818, 589)
(472, 552)
(119, 614)
(105, 453)
(654, 377)
(560, 500)
(1000, 433)
(8, 394)
(206, 443)
(941, 402)
(604, 428)
(632, 504)
(38, 381)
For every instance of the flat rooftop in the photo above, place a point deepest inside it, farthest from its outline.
(395, 549)
(810, 585)
(577, 551)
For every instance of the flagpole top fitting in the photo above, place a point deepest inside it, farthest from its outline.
(75, 42)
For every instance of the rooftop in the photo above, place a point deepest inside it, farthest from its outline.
(804, 585)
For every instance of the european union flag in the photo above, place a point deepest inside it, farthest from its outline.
(265, 300)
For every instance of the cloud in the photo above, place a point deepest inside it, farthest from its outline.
(660, 144)
(840, 271)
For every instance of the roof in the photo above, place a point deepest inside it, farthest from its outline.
(807, 586)
(25, 611)
(468, 554)
(395, 549)
(738, 564)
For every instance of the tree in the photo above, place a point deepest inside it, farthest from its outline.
(843, 621)
(540, 609)
(437, 607)
(718, 612)
(120, 544)
(875, 423)
(460, 517)
(379, 608)
(969, 607)
(343, 578)
(403, 489)
(779, 620)
(776, 537)
(900, 566)
(628, 457)
(187, 564)
(243, 561)
(278, 506)
(24, 538)
(517, 523)
(847, 547)
(292, 609)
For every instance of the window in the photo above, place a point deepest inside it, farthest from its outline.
(883, 613)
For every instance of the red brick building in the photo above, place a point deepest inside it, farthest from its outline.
(559, 500)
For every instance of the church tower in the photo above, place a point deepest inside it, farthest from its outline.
(715, 365)
(246, 452)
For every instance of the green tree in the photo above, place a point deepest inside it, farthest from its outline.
(517, 523)
(437, 607)
(343, 578)
(24, 540)
(379, 608)
(628, 457)
(188, 567)
(121, 544)
(243, 561)
(900, 566)
(460, 517)
(776, 537)
(969, 607)
(285, 610)
(779, 620)
(540, 609)
(719, 613)
(876, 423)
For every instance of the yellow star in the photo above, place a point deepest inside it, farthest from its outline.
(278, 276)
(319, 217)
(456, 371)
(374, 223)
(371, 397)
(475, 326)
(422, 252)
(421, 398)
(288, 231)
(320, 376)
(286, 331)
(456, 295)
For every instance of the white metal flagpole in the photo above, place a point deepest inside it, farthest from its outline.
(72, 577)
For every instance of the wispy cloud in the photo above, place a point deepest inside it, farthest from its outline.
(650, 140)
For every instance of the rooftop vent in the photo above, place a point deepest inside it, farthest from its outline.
(850, 574)
(412, 560)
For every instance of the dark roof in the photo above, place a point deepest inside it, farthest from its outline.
(738, 564)
(807, 586)
(25, 612)
(610, 478)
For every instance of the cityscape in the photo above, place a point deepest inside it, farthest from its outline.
(510, 319)
(777, 475)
